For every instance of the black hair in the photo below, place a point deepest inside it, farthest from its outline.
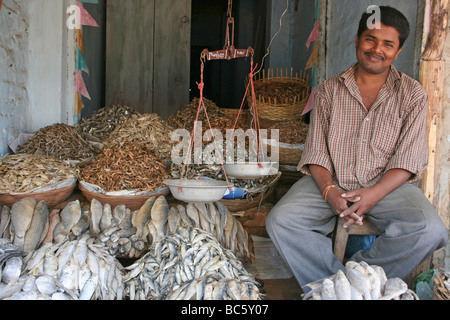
(390, 17)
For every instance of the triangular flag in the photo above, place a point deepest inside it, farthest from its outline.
(85, 18)
(310, 105)
(312, 61)
(81, 85)
(314, 36)
(81, 62)
(1, 2)
(80, 40)
(78, 104)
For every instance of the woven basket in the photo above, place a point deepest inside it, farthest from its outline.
(440, 292)
(292, 107)
(131, 202)
(290, 156)
(51, 198)
(233, 113)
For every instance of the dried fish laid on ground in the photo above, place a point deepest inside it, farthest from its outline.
(25, 224)
(189, 265)
(81, 266)
(130, 166)
(149, 130)
(23, 173)
(105, 120)
(59, 141)
(360, 281)
(291, 132)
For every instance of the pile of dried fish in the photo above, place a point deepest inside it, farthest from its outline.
(189, 265)
(23, 173)
(130, 166)
(105, 120)
(292, 132)
(360, 282)
(10, 262)
(184, 119)
(59, 141)
(15, 286)
(148, 130)
(213, 218)
(25, 224)
(31, 287)
(120, 230)
(82, 267)
(280, 92)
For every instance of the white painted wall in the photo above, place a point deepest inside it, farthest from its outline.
(36, 67)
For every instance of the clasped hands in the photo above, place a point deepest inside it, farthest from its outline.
(352, 205)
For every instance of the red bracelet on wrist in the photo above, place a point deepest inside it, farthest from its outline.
(327, 189)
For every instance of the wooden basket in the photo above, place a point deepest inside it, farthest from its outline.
(131, 202)
(51, 198)
(291, 107)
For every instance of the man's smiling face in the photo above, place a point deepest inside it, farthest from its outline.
(377, 49)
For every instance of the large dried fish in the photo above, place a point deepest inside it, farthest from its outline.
(21, 217)
(359, 282)
(34, 234)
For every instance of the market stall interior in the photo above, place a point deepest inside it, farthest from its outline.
(101, 210)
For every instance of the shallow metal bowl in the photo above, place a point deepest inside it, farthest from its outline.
(250, 170)
(197, 191)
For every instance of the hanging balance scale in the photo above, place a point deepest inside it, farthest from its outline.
(204, 191)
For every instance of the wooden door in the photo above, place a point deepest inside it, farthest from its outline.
(147, 55)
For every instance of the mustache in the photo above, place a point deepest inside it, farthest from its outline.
(371, 54)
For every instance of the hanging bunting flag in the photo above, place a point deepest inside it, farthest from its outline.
(78, 104)
(80, 40)
(314, 36)
(81, 85)
(85, 18)
(81, 62)
(1, 2)
(312, 62)
(310, 104)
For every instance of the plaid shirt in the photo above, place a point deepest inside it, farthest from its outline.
(358, 146)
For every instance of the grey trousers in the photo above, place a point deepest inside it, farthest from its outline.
(301, 221)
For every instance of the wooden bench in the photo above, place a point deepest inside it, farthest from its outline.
(340, 239)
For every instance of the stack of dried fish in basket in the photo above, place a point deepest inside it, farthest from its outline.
(148, 130)
(126, 174)
(189, 264)
(59, 141)
(104, 121)
(360, 282)
(41, 177)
